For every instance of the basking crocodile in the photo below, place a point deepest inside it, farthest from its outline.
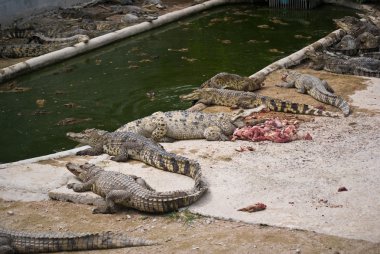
(223, 97)
(179, 125)
(349, 45)
(316, 88)
(233, 82)
(27, 242)
(36, 44)
(121, 189)
(362, 66)
(355, 26)
(125, 145)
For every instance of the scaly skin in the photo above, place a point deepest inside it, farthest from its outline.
(180, 125)
(347, 45)
(362, 66)
(24, 242)
(223, 97)
(374, 55)
(350, 46)
(45, 44)
(121, 189)
(124, 145)
(316, 88)
(355, 26)
(233, 82)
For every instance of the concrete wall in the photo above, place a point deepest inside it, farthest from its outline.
(11, 9)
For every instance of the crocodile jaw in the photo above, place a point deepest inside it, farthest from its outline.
(191, 96)
(89, 136)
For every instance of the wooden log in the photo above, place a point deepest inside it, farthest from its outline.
(298, 56)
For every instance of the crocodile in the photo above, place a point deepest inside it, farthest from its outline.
(351, 46)
(125, 145)
(316, 88)
(12, 241)
(182, 124)
(348, 45)
(362, 66)
(36, 43)
(232, 81)
(368, 42)
(374, 55)
(122, 190)
(355, 26)
(229, 98)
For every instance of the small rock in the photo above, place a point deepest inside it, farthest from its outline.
(129, 18)
(342, 189)
(209, 220)
(128, 216)
(160, 6)
(154, 220)
(10, 213)
(298, 251)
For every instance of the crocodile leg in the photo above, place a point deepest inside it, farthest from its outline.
(114, 196)
(160, 130)
(301, 88)
(286, 85)
(142, 182)
(327, 86)
(120, 151)
(214, 133)
(81, 187)
(5, 246)
(93, 151)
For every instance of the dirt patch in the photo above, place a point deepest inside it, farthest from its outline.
(176, 232)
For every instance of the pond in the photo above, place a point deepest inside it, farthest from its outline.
(108, 87)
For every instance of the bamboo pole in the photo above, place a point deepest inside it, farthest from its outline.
(80, 48)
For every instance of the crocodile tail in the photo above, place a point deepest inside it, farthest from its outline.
(27, 242)
(162, 202)
(336, 101)
(295, 108)
(366, 73)
(173, 163)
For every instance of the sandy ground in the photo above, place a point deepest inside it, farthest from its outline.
(297, 181)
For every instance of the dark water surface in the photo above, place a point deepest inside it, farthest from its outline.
(107, 88)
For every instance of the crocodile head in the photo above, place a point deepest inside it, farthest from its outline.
(194, 95)
(284, 74)
(83, 172)
(90, 137)
(349, 24)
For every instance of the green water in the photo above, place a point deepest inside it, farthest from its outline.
(108, 87)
